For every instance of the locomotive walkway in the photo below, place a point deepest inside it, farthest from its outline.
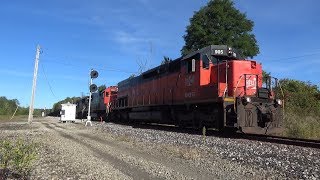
(113, 151)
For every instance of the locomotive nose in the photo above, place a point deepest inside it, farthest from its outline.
(259, 116)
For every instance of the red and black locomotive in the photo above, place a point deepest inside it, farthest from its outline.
(100, 104)
(212, 87)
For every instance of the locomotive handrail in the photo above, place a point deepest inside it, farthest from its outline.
(226, 88)
(234, 93)
(281, 90)
(282, 96)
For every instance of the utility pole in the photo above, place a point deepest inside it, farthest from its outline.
(34, 84)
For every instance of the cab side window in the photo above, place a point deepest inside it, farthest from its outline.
(205, 62)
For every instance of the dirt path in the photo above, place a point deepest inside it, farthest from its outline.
(65, 134)
(121, 155)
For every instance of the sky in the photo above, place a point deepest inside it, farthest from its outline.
(117, 37)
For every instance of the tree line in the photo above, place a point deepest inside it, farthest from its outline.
(9, 106)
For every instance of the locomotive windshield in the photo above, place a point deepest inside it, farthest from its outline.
(205, 61)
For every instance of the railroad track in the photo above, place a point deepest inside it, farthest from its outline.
(263, 138)
(282, 140)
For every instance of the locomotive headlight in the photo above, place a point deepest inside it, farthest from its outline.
(248, 99)
(279, 102)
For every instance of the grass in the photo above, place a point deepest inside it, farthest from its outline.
(17, 158)
(302, 126)
(19, 118)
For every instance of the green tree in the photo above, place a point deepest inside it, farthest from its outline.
(101, 88)
(7, 106)
(219, 22)
(265, 75)
(57, 106)
(301, 97)
(302, 109)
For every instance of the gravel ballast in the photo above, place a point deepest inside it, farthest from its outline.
(114, 151)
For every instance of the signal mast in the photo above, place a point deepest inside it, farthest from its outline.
(93, 88)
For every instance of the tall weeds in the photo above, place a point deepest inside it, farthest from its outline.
(302, 126)
(17, 158)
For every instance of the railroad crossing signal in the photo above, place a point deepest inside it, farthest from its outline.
(94, 74)
(93, 88)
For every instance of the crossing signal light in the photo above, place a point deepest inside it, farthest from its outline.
(94, 74)
(93, 88)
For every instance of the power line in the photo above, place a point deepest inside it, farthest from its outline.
(293, 57)
(50, 87)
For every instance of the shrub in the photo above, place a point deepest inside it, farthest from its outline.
(302, 109)
(301, 97)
